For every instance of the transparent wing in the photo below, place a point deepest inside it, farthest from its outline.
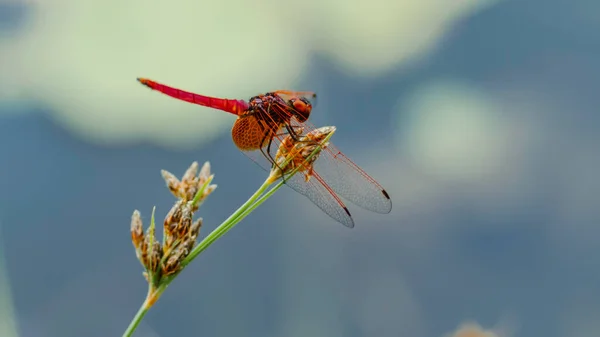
(348, 180)
(351, 182)
(317, 191)
(333, 174)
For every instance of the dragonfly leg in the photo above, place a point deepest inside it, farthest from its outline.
(295, 137)
(268, 153)
(273, 160)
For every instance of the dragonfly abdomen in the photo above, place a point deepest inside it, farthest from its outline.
(233, 106)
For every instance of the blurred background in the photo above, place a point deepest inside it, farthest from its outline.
(479, 117)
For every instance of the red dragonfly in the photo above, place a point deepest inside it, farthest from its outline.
(265, 121)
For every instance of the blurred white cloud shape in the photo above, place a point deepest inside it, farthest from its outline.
(371, 37)
(81, 58)
(453, 131)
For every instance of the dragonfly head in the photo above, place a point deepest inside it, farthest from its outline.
(301, 107)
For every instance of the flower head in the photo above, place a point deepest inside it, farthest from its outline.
(300, 155)
(180, 231)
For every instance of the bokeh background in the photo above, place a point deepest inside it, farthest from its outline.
(479, 117)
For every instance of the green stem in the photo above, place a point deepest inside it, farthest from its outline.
(227, 225)
(250, 205)
(137, 319)
(260, 200)
(151, 298)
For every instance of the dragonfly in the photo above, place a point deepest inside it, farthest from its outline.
(268, 120)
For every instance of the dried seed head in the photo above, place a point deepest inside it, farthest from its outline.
(144, 251)
(209, 189)
(204, 173)
(154, 257)
(195, 228)
(171, 181)
(137, 230)
(186, 220)
(179, 230)
(189, 183)
(171, 266)
(149, 249)
(187, 247)
(190, 174)
(173, 263)
(191, 192)
(293, 154)
(173, 217)
(205, 193)
(175, 232)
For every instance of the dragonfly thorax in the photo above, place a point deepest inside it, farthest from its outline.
(268, 108)
(278, 109)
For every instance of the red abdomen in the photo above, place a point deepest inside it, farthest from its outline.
(233, 106)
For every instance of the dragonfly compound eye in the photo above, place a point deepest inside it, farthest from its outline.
(302, 108)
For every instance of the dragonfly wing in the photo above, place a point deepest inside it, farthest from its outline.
(351, 182)
(317, 191)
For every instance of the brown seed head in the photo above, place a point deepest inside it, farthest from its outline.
(155, 256)
(179, 230)
(190, 174)
(207, 191)
(297, 154)
(189, 185)
(204, 173)
(171, 181)
(137, 230)
(187, 246)
(173, 263)
(173, 217)
(195, 228)
(144, 252)
(186, 220)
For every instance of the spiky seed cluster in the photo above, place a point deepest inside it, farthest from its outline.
(295, 154)
(180, 232)
(190, 183)
(180, 235)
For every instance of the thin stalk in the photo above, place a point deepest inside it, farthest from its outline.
(224, 227)
(137, 319)
(252, 203)
(151, 298)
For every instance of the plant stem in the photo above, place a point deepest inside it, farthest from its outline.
(228, 224)
(151, 298)
(261, 200)
(252, 203)
(223, 228)
(137, 319)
